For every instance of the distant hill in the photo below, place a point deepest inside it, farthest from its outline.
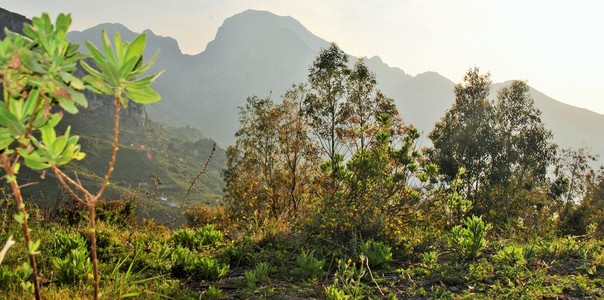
(11, 21)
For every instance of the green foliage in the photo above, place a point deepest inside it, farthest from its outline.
(258, 274)
(192, 263)
(156, 256)
(378, 254)
(212, 293)
(308, 266)
(62, 243)
(197, 238)
(210, 269)
(332, 292)
(469, 241)
(120, 65)
(16, 279)
(510, 255)
(503, 146)
(348, 279)
(74, 268)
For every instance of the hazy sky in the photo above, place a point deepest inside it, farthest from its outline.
(558, 46)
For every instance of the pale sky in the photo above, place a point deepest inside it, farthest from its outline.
(558, 46)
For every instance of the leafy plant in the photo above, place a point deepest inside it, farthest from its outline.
(205, 267)
(510, 255)
(74, 268)
(38, 72)
(196, 239)
(468, 241)
(348, 279)
(259, 274)
(212, 293)
(378, 254)
(308, 266)
(332, 292)
(62, 243)
(123, 284)
(16, 278)
(210, 269)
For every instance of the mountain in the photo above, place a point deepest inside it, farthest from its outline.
(11, 21)
(260, 53)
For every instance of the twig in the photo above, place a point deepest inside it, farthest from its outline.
(116, 129)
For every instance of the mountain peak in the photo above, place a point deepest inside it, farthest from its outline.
(154, 41)
(258, 26)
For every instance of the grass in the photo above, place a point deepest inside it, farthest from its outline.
(140, 260)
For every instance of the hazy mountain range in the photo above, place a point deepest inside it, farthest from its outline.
(260, 53)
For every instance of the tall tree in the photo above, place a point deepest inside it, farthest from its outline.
(251, 163)
(524, 146)
(327, 80)
(363, 105)
(300, 155)
(464, 137)
(271, 167)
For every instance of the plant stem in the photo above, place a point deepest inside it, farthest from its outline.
(21, 207)
(116, 129)
(95, 268)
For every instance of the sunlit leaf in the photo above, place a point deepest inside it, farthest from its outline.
(144, 95)
(135, 49)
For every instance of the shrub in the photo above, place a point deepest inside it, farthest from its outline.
(209, 268)
(377, 253)
(205, 267)
(259, 274)
(19, 277)
(332, 292)
(511, 256)
(212, 293)
(308, 266)
(115, 212)
(468, 241)
(196, 239)
(74, 268)
(200, 215)
(62, 243)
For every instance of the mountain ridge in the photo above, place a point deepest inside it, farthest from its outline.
(259, 53)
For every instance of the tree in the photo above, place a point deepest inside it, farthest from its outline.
(503, 146)
(464, 137)
(272, 165)
(251, 162)
(524, 146)
(322, 106)
(363, 105)
(300, 155)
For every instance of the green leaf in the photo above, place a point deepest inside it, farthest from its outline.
(68, 106)
(78, 97)
(59, 145)
(117, 41)
(48, 135)
(144, 68)
(108, 50)
(90, 69)
(96, 54)
(35, 165)
(144, 95)
(5, 139)
(32, 100)
(97, 85)
(135, 49)
(19, 218)
(33, 247)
